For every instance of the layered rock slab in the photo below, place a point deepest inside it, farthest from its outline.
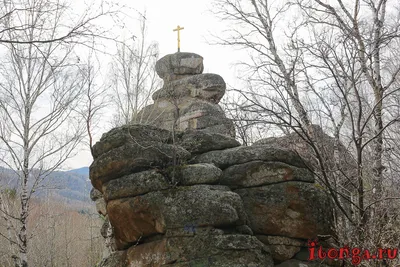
(197, 142)
(208, 86)
(291, 209)
(174, 66)
(187, 114)
(134, 134)
(257, 173)
(239, 155)
(134, 157)
(155, 212)
(216, 249)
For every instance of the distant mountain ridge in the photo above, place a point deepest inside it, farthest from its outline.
(69, 186)
(82, 171)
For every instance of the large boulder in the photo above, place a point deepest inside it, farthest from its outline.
(197, 142)
(257, 173)
(188, 114)
(134, 157)
(208, 86)
(135, 184)
(171, 66)
(135, 133)
(291, 209)
(203, 173)
(197, 115)
(189, 99)
(155, 212)
(239, 155)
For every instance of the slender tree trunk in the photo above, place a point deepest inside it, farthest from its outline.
(23, 240)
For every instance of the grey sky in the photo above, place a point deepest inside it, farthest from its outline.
(199, 22)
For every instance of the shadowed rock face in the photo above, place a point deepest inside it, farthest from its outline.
(195, 197)
(291, 209)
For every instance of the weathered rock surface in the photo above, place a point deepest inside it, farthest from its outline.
(282, 248)
(189, 99)
(170, 67)
(210, 87)
(101, 206)
(216, 250)
(202, 115)
(134, 134)
(197, 142)
(182, 192)
(104, 227)
(135, 184)
(116, 259)
(203, 173)
(153, 213)
(242, 154)
(257, 173)
(95, 194)
(291, 209)
(188, 114)
(133, 157)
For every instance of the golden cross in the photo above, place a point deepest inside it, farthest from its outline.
(179, 37)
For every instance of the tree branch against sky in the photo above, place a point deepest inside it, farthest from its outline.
(71, 27)
(40, 85)
(134, 79)
(333, 64)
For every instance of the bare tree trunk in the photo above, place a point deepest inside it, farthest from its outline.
(335, 66)
(38, 69)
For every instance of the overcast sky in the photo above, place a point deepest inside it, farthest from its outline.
(198, 22)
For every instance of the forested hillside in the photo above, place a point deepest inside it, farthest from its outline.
(64, 186)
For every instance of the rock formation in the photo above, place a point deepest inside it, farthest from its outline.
(339, 165)
(180, 191)
(189, 99)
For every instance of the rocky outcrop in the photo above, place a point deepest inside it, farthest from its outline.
(195, 197)
(339, 166)
(189, 99)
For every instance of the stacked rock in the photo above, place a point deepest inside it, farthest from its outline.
(165, 211)
(194, 196)
(189, 99)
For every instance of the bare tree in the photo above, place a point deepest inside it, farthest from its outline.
(134, 77)
(73, 28)
(248, 127)
(40, 88)
(332, 65)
